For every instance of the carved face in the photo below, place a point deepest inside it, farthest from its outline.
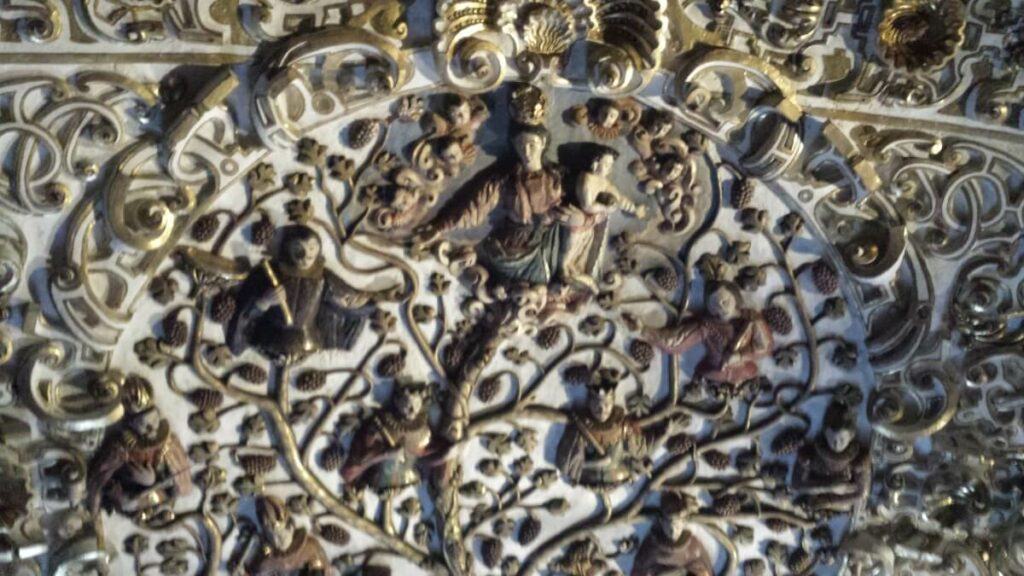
(302, 253)
(460, 114)
(146, 424)
(674, 525)
(408, 404)
(672, 170)
(603, 165)
(660, 128)
(608, 116)
(600, 403)
(279, 533)
(839, 439)
(451, 153)
(454, 431)
(530, 149)
(404, 198)
(722, 304)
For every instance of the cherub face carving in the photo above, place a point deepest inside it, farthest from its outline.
(608, 116)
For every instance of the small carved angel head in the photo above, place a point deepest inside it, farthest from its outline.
(676, 509)
(722, 300)
(658, 124)
(457, 110)
(409, 398)
(278, 529)
(670, 168)
(449, 152)
(608, 114)
(300, 247)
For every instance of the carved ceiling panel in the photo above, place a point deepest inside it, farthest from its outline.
(581, 287)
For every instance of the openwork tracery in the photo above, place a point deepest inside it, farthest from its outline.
(471, 287)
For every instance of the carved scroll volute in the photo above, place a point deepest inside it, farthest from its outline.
(720, 91)
(74, 405)
(469, 50)
(917, 402)
(320, 75)
(627, 38)
(12, 265)
(12, 258)
(145, 221)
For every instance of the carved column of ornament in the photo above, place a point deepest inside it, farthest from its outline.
(499, 286)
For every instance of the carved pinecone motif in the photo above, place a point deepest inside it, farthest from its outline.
(679, 444)
(529, 529)
(727, 505)
(642, 352)
(262, 231)
(788, 441)
(332, 457)
(665, 278)
(755, 567)
(391, 365)
(487, 389)
(252, 373)
(257, 464)
(716, 459)
(800, 561)
(223, 307)
(334, 534)
(206, 399)
(204, 228)
(362, 132)
(778, 320)
(742, 194)
(175, 331)
(311, 380)
(825, 278)
(548, 337)
(491, 550)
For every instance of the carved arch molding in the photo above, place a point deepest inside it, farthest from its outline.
(511, 287)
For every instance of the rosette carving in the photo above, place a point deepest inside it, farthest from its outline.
(921, 34)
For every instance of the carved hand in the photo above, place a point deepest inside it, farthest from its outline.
(142, 474)
(271, 298)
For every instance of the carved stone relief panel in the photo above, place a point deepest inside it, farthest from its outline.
(584, 287)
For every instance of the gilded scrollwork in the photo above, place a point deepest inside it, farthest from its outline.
(496, 286)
